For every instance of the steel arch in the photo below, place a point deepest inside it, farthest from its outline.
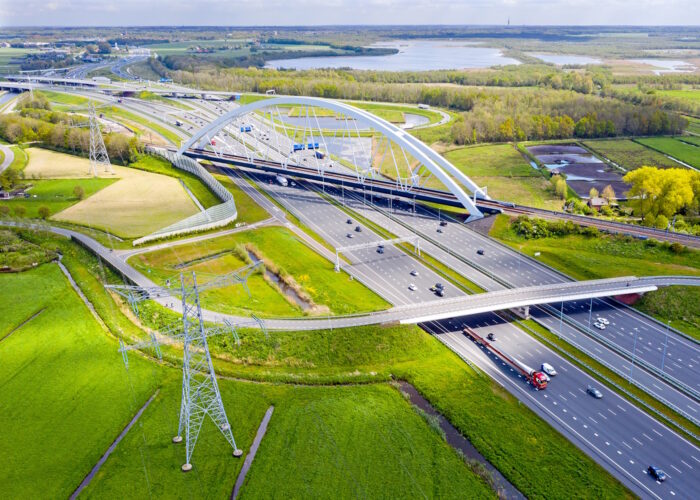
(434, 162)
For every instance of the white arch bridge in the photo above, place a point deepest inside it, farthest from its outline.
(352, 146)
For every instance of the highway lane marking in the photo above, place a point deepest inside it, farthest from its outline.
(592, 420)
(677, 469)
(657, 432)
(627, 445)
(696, 459)
(621, 408)
(686, 464)
(650, 439)
(601, 415)
(637, 441)
(614, 414)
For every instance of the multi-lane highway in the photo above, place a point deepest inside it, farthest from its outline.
(624, 439)
(614, 432)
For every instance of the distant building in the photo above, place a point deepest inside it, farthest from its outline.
(597, 203)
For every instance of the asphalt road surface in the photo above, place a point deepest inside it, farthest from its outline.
(615, 433)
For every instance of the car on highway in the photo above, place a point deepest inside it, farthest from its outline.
(412, 287)
(380, 249)
(440, 292)
(491, 337)
(358, 229)
(594, 392)
(439, 286)
(443, 223)
(548, 369)
(350, 235)
(480, 251)
(439, 230)
(414, 273)
(603, 321)
(657, 473)
(349, 221)
(599, 326)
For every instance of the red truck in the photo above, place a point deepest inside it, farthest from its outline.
(536, 378)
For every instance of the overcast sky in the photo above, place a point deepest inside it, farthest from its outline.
(314, 12)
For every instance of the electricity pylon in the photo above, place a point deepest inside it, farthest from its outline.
(200, 391)
(98, 151)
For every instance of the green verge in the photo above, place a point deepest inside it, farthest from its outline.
(608, 256)
(55, 194)
(65, 390)
(530, 455)
(248, 210)
(313, 273)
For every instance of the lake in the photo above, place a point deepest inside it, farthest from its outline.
(562, 59)
(414, 55)
(667, 65)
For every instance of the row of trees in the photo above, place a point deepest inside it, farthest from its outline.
(17, 129)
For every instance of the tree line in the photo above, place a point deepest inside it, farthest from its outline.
(36, 122)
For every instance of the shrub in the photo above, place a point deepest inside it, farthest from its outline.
(19, 211)
(79, 192)
(4, 210)
(44, 212)
(677, 248)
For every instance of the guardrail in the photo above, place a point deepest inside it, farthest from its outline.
(212, 218)
(633, 358)
(617, 386)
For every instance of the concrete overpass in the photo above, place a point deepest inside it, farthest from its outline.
(409, 314)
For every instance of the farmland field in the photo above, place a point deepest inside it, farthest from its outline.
(134, 206)
(66, 395)
(55, 194)
(629, 154)
(673, 147)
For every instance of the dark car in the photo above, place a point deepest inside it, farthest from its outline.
(480, 251)
(380, 249)
(440, 292)
(358, 229)
(657, 473)
(491, 337)
(439, 286)
(594, 392)
(349, 221)
(439, 230)
(443, 223)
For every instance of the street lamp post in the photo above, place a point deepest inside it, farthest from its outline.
(663, 358)
(634, 351)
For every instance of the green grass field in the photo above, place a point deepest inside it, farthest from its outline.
(506, 173)
(313, 273)
(673, 147)
(21, 158)
(248, 211)
(690, 139)
(629, 154)
(472, 402)
(693, 125)
(66, 394)
(56, 194)
(610, 256)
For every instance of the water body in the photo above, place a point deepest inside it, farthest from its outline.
(562, 59)
(414, 55)
(286, 289)
(331, 123)
(667, 65)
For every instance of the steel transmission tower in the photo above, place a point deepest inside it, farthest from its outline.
(98, 151)
(200, 391)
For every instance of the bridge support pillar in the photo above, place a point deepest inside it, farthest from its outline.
(522, 312)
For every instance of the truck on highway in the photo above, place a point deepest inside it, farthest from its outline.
(534, 377)
(282, 181)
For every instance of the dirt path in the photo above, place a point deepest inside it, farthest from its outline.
(251, 454)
